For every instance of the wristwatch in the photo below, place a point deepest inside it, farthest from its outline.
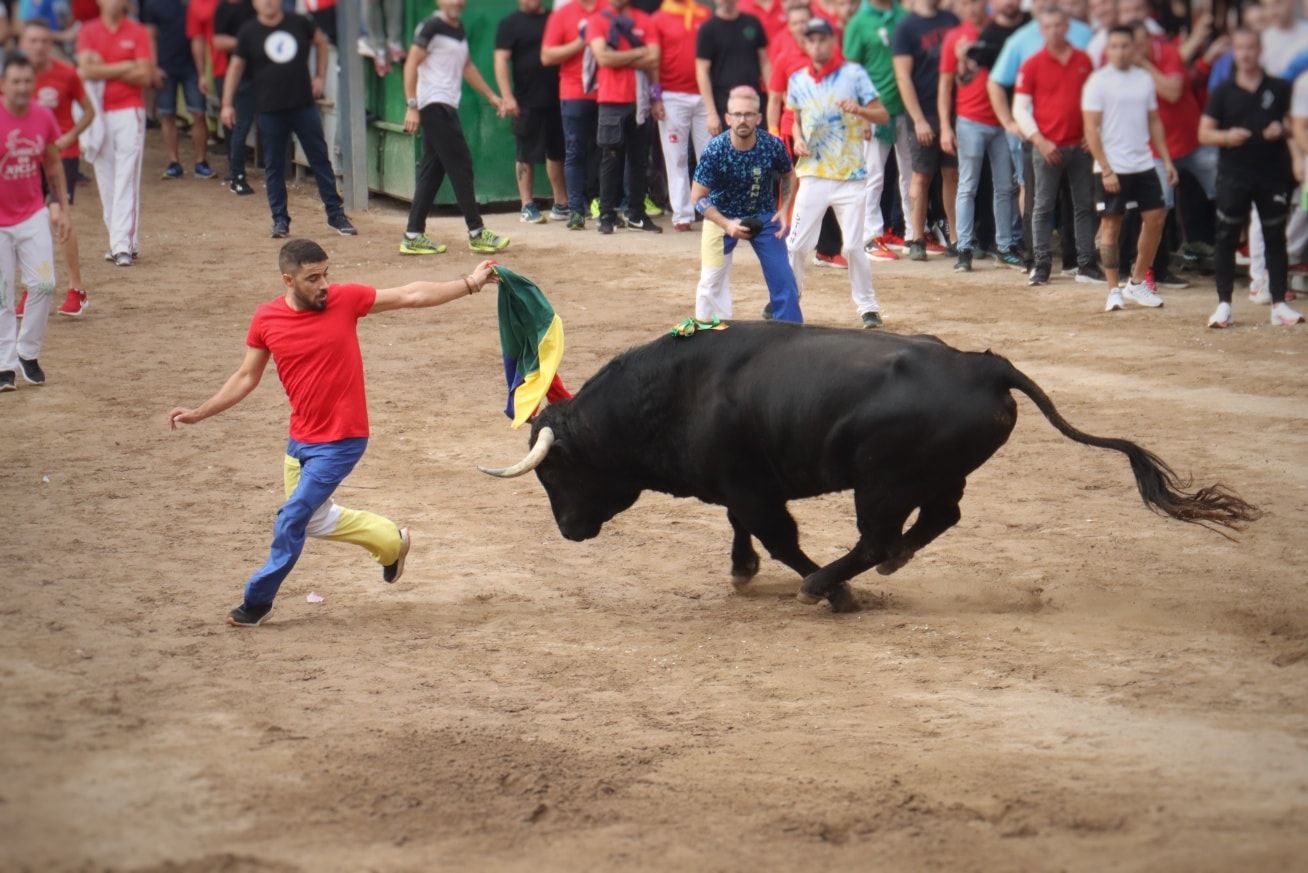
(412, 103)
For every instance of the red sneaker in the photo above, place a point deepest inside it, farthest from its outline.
(895, 241)
(22, 301)
(837, 262)
(75, 303)
(933, 247)
(879, 249)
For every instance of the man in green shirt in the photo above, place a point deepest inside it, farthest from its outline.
(868, 43)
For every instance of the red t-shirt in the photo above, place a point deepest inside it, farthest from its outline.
(971, 100)
(677, 45)
(1180, 119)
(57, 89)
(85, 10)
(618, 84)
(562, 28)
(23, 140)
(1055, 90)
(318, 360)
(773, 20)
(130, 42)
(199, 22)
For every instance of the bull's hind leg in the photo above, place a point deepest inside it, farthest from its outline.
(772, 523)
(744, 560)
(881, 518)
(935, 517)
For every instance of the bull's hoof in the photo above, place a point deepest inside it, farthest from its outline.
(743, 571)
(843, 600)
(885, 568)
(741, 583)
(807, 599)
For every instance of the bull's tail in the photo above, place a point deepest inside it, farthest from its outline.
(1160, 488)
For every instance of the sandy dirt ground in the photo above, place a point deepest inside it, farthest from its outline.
(1063, 682)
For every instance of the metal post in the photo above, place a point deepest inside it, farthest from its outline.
(350, 106)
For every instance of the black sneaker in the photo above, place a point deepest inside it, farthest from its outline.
(917, 250)
(392, 572)
(871, 319)
(7, 381)
(605, 225)
(767, 312)
(342, 225)
(1039, 275)
(240, 186)
(644, 222)
(964, 262)
(1010, 258)
(1090, 275)
(951, 250)
(246, 615)
(32, 371)
(281, 229)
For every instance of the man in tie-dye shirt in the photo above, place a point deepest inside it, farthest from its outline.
(833, 102)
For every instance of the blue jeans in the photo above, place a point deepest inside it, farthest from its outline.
(774, 258)
(580, 123)
(976, 142)
(276, 128)
(323, 466)
(165, 101)
(1202, 164)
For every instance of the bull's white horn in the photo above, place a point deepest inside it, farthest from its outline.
(544, 440)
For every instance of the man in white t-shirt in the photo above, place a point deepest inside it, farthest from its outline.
(1121, 120)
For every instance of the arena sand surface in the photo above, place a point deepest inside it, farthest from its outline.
(1062, 682)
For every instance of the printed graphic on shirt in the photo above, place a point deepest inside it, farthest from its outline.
(834, 137)
(21, 156)
(280, 47)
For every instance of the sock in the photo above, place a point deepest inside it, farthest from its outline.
(408, 234)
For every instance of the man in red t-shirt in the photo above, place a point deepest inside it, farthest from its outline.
(310, 332)
(976, 137)
(677, 104)
(564, 46)
(118, 54)
(625, 46)
(58, 87)
(1047, 109)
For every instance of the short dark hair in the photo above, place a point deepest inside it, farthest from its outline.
(38, 23)
(17, 59)
(298, 252)
(1126, 30)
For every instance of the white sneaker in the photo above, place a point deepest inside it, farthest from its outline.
(1221, 317)
(1115, 302)
(1282, 314)
(1259, 292)
(1141, 294)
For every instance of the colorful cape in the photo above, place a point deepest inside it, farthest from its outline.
(531, 339)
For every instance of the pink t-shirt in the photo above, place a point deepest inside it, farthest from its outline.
(23, 139)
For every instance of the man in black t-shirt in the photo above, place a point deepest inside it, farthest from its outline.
(1246, 118)
(166, 21)
(731, 49)
(273, 50)
(228, 19)
(531, 96)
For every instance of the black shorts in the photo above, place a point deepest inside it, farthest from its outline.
(927, 160)
(70, 178)
(1138, 191)
(539, 133)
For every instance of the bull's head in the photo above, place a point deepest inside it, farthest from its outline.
(582, 495)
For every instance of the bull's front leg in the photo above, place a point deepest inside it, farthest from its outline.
(744, 560)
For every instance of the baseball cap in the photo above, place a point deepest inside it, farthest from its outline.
(818, 25)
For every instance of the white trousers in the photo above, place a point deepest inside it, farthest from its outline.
(686, 124)
(848, 199)
(27, 259)
(1296, 237)
(118, 177)
(875, 155)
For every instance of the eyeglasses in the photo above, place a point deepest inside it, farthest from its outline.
(743, 116)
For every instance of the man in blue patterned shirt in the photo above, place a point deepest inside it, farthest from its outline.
(735, 189)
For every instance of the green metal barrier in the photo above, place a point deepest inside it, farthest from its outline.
(394, 154)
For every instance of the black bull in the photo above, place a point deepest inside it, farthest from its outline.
(760, 414)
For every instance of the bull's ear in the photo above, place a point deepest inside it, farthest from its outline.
(544, 442)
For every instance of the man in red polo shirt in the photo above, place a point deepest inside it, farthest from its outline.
(625, 45)
(564, 46)
(677, 104)
(58, 87)
(118, 52)
(311, 333)
(1047, 109)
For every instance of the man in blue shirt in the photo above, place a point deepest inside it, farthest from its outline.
(735, 190)
(166, 21)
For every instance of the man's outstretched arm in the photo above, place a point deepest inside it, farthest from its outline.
(417, 295)
(237, 387)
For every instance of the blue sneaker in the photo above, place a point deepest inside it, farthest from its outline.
(174, 171)
(203, 170)
(531, 214)
(559, 212)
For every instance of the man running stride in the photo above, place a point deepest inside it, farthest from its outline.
(311, 334)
